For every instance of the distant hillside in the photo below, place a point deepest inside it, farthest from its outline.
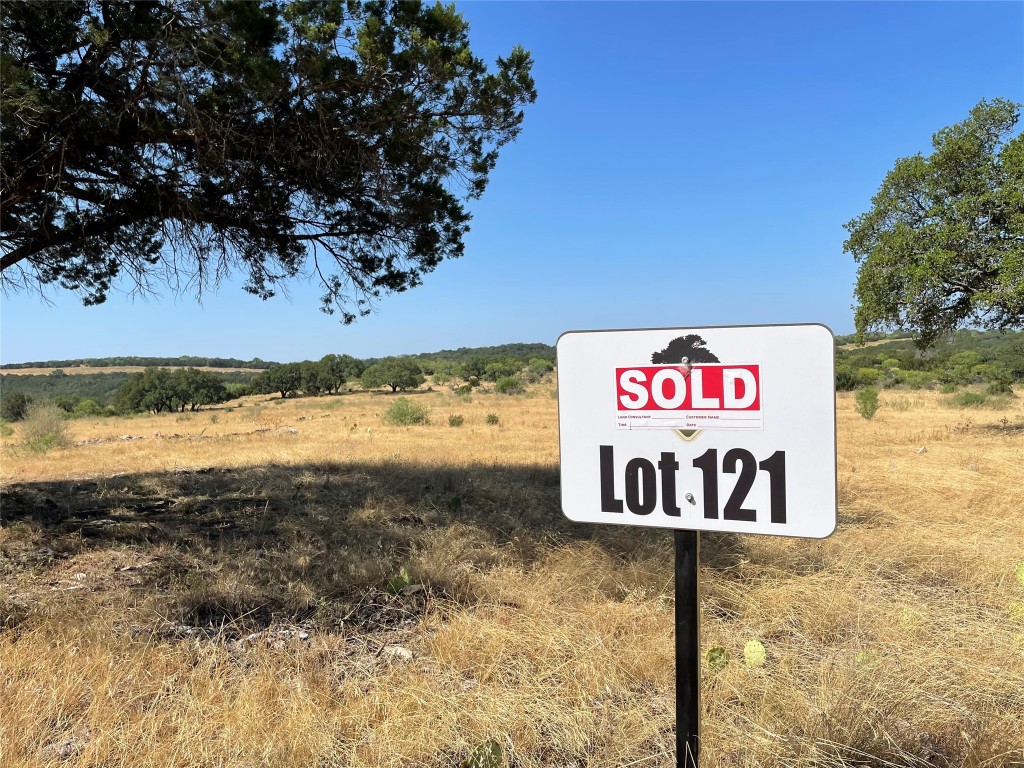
(523, 352)
(100, 387)
(966, 357)
(185, 361)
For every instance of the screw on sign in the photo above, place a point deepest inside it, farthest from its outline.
(699, 429)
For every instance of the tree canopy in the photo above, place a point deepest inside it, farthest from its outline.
(395, 372)
(185, 141)
(943, 244)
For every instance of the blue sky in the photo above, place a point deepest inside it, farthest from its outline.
(685, 164)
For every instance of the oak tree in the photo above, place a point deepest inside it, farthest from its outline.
(395, 372)
(943, 243)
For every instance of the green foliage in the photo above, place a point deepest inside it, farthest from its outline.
(947, 388)
(868, 377)
(397, 583)
(486, 755)
(336, 370)
(405, 412)
(867, 402)
(508, 385)
(395, 372)
(66, 403)
(717, 658)
(917, 380)
(158, 390)
(286, 379)
(965, 357)
(14, 405)
(941, 246)
(44, 428)
(1000, 387)
(6, 430)
(248, 137)
(89, 407)
(456, 420)
(969, 399)
(501, 369)
(846, 378)
(492, 419)
(100, 387)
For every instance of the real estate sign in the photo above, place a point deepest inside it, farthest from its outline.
(710, 429)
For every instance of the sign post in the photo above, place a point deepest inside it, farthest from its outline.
(687, 546)
(728, 429)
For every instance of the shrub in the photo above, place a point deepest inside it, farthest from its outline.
(969, 399)
(44, 427)
(404, 412)
(917, 380)
(948, 388)
(14, 406)
(846, 379)
(999, 387)
(868, 376)
(867, 402)
(6, 430)
(492, 418)
(456, 420)
(88, 408)
(508, 385)
(67, 403)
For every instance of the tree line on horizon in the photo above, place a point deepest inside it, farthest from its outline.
(159, 389)
(967, 357)
(135, 361)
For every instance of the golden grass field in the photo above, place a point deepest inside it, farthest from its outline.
(218, 596)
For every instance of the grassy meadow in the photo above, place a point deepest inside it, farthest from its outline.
(296, 583)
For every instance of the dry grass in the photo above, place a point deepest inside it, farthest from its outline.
(217, 596)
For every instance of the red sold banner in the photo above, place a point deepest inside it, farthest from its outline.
(726, 397)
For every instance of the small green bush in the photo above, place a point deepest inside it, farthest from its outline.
(999, 387)
(508, 385)
(867, 402)
(492, 418)
(404, 412)
(918, 380)
(969, 399)
(6, 430)
(868, 376)
(456, 420)
(948, 388)
(44, 427)
(88, 408)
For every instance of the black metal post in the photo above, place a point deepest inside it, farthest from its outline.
(687, 649)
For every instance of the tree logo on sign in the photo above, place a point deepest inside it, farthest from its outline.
(685, 351)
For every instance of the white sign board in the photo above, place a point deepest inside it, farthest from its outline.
(708, 429)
